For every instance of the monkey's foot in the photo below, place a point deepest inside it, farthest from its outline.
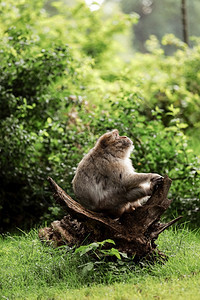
(131, 206)
(135, 204)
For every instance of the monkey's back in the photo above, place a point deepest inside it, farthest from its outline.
(93, 183)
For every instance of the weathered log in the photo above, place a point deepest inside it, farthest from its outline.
(133, 233)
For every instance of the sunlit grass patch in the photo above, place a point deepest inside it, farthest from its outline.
(32, 270)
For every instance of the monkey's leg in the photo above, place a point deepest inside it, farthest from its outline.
(126, 202)
(134, 196)
(138, 193)
(128, 207)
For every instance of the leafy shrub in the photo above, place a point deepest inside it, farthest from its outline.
(25, 75)
(168, 80)
(56, 100)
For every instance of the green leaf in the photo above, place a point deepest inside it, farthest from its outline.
(88, 267)
(106, 241)
(85, 249)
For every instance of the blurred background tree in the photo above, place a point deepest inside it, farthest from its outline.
(159, 18)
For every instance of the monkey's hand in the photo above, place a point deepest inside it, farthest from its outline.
(155, 182)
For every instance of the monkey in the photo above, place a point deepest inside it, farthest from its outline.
(105, 180)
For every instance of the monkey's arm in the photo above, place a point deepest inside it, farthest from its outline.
(133, 180)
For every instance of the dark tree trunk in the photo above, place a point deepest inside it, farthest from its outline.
(184, 21)
(133, 233)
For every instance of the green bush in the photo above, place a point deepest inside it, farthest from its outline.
(26, 103)
(57, 99)
(168, 80)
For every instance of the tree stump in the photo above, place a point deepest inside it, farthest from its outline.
(134, 233)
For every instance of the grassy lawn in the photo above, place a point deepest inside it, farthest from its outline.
(147, 288)
(31, 270)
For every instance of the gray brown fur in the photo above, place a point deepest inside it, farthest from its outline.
(105, 180)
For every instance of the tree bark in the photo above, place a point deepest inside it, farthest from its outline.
(133, 233)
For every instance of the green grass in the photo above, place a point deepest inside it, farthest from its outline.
(31, 270)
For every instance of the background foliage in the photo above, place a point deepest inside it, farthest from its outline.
(63, 84)
(160, 18)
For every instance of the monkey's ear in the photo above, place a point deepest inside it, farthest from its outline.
(103, 142)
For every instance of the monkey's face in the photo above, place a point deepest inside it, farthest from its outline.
(115, 144)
